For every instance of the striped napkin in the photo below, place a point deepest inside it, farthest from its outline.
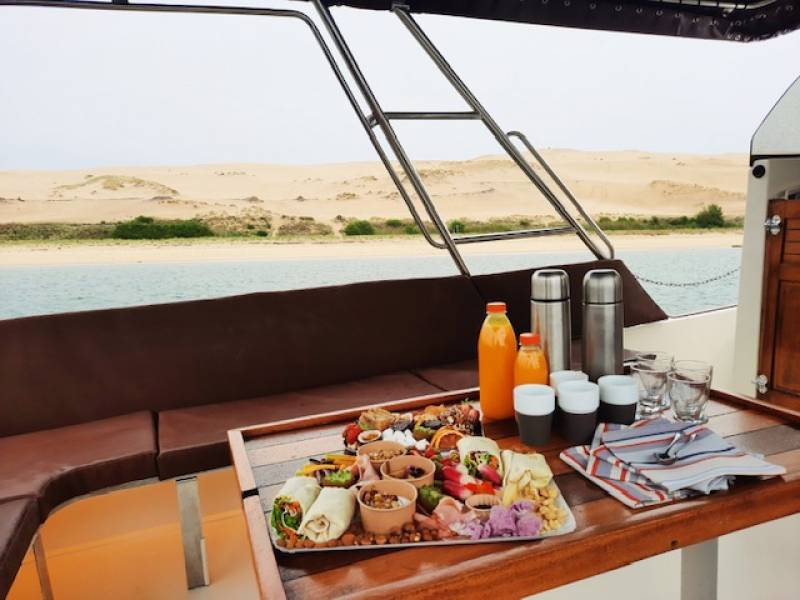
(621, 460)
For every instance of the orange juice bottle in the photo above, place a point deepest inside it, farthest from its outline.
(497, 350)
(531, 363)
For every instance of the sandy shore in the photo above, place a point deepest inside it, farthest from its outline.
(56, 254)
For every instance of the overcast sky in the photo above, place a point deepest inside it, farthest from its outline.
(81, 89)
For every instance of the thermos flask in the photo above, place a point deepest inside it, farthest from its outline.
(602, 323)
(551, 317)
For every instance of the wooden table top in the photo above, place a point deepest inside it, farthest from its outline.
(608, 536)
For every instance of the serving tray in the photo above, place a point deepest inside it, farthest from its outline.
(568, 527)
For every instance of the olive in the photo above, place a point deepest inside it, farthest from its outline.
(402, 424)
(432, 423)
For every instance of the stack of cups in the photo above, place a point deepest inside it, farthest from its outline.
(578, 401)
(559, 377)
(534, 405)
(619, 395)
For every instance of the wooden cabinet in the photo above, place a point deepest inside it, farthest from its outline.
(779, 356)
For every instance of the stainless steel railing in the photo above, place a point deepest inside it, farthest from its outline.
(378, 118)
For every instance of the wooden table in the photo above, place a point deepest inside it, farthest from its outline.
(608, 536)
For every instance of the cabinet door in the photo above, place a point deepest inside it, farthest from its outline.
(780, 310)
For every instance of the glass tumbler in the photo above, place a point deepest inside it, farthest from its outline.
(690, 389)
(652, 369)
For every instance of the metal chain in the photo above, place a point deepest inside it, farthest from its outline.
(689, 283)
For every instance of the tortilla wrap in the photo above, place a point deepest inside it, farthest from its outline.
(292, 502)
(525, 475)
(330, 516)
(473, 443)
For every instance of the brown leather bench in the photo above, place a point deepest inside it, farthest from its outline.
(19, 520)
(99, 398)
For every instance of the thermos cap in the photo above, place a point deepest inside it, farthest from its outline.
(602, 286)
(549, 285)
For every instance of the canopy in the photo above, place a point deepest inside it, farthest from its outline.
(740, 21)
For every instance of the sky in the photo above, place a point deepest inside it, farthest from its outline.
(85, 89)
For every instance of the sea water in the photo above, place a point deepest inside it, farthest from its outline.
(34, 290)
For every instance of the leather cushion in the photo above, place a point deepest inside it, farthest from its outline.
(19, 520)
(452, 376)
(194, 439)
(78, 367)
(56, 465)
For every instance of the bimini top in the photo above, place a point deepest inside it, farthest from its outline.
(740, 21)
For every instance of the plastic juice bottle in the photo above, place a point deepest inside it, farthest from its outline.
(531, 363)
(497, 350)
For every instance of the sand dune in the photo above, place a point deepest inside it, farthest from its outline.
(613, 183)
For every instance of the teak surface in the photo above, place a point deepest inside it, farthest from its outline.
(608, 536)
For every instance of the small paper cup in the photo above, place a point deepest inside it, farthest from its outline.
(376, 520)
(482, 500)
(380, 445)
(393, 468)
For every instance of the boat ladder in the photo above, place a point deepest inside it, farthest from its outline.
(382, 119)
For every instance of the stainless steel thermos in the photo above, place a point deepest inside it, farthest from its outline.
(551, 316)
(602, 323)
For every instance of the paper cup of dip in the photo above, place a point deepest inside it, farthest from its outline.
(396, 468)
(482, 504)
(578, 402)
(378, 520)
(619, 395)
(380, 446)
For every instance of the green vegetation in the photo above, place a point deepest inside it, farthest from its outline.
(55, 231)
(711, 217)
(359, 228)
(256, 223)
(148, 228)
(303, 227)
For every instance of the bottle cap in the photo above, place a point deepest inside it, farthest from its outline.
(496, 307)
(529, 339)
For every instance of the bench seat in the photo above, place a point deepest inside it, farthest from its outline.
(56, 465)
(19, 520)
(194, 439)
(452, 376)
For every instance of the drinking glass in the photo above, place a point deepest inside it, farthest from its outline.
(652, 368)
(689, 390)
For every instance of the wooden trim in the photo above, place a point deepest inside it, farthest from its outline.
(758, 404)
(773, 248)
(270, 586)
(789, 403)
(351, 413)
(240, 461)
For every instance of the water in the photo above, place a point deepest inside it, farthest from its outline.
(26, 291)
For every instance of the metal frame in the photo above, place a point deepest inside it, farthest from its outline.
(43, 574)
(378, 118)
(699, 565)
(194, 543)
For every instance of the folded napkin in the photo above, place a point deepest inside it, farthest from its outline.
(622, 461)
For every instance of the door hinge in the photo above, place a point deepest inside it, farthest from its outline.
(761, 383)
(773, 224)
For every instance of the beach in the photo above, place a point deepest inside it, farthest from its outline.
(215, 250)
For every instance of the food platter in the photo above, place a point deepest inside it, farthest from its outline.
(568, 527)
(426, 478)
